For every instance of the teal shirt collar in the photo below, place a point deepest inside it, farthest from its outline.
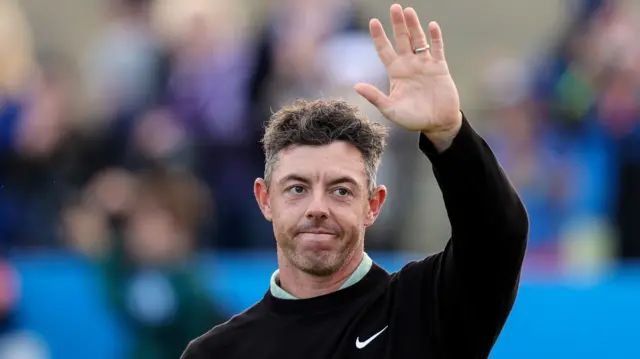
(362, 270)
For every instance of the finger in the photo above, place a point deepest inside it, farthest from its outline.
(437, 44)
(418, 37)
(400, 31)
(380, 40)
(373, 95)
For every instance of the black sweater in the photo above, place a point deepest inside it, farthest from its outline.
(449, 305)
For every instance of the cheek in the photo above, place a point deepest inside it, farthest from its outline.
(350, 219)
(286, 216)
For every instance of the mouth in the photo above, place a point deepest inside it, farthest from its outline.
(318, 231)
(317, 240)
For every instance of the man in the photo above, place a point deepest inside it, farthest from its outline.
(328, 300)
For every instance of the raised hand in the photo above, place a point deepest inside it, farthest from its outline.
(423, 96)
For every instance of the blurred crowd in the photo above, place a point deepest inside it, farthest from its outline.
(566, 129)
(147, 148)
(173, 92)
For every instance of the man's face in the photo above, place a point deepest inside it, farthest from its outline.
(319, 204)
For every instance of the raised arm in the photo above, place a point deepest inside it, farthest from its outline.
(476, 278)
(466, 292)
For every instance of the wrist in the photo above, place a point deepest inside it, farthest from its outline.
(443, 137)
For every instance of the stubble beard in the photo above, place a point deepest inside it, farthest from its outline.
(318, 263)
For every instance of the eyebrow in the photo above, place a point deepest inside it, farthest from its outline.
(333, 182)
(293, 178)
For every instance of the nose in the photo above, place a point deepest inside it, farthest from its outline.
(317, 209)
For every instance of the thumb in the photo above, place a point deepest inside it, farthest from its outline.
(373, 95)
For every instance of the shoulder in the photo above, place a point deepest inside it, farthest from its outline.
(420, 276)
(224, 337)
(420, 269)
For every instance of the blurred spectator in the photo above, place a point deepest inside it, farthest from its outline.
(518, 139)
(124, 74)
(122, 68)
(160, 140)
(92, 220)
(290, 61)
(151, 281)
(619, 115)
(211, 62)
(16, 63)
(16, 50)
(33, 170)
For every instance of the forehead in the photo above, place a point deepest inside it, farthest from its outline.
(321, 162)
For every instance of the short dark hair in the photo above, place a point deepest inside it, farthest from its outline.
(321, 122)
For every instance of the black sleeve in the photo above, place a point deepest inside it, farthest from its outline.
(471, 286)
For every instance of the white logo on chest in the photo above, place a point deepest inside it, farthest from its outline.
(363, 344)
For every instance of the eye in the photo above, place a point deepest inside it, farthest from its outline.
(342, 192)
(296, 190)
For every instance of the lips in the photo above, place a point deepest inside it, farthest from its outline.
(318, 231)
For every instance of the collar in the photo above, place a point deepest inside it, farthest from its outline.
(362, 270)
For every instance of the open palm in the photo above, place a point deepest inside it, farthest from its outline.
(423, 96)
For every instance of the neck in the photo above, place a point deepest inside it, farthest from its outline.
(303, 285)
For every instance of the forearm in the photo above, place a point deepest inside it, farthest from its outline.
(488, 220)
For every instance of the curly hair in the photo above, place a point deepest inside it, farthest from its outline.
(321, 122)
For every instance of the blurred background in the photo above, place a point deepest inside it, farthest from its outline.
(129, 137)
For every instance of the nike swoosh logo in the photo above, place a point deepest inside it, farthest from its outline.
(363, 344)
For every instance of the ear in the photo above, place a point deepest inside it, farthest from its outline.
(375, 205)
(261, 192)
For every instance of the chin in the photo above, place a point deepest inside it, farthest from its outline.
(321, 269)
(320, 263)
(319, 255)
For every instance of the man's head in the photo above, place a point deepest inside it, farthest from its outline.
(319, 189)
